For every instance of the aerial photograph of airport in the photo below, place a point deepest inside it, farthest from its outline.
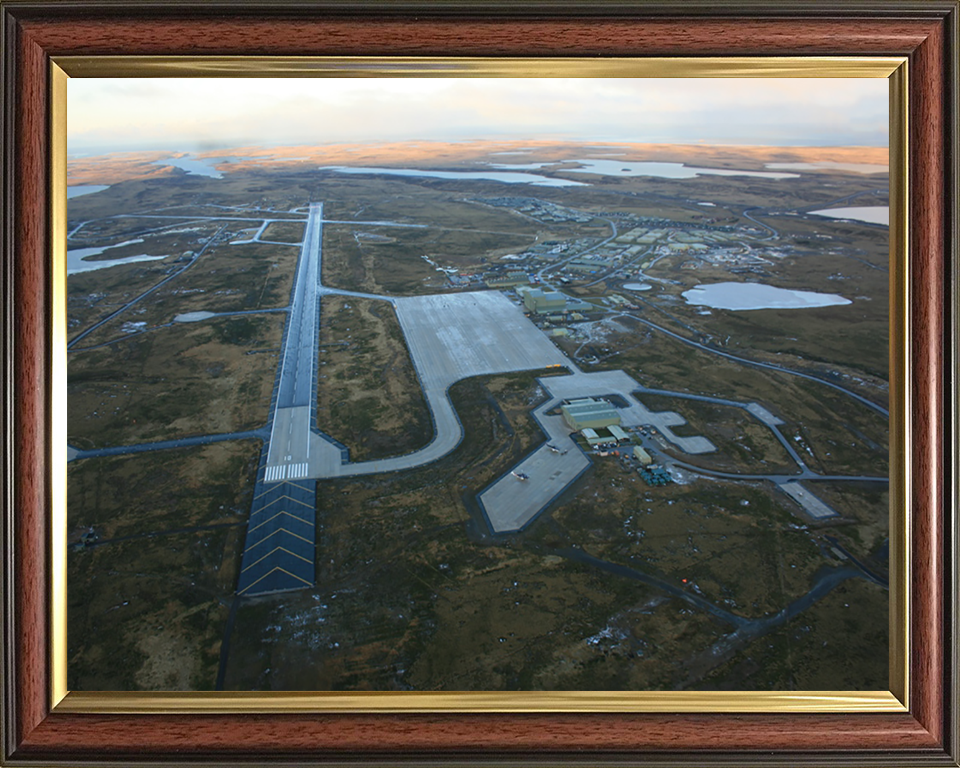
(478, 384)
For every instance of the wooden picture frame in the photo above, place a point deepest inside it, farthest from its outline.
(35, 33)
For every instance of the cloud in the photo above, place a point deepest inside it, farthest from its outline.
(182, 113)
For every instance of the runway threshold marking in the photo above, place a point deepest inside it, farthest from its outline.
(278, 472)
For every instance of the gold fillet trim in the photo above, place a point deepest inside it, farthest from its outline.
(293, 66)
(58, 383)
(894, 68)
(900, 390)
(577, 701)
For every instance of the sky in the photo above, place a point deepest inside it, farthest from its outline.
(126, 114)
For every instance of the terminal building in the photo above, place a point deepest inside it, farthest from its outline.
(588, 413)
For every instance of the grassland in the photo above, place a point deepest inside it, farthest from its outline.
(839, 644)
(249, 277)
(398, 266)
(850, 339)
(369, 396)
(437, 594)
(188, 379)
(284, 232)
(867, 507)
(743, 443)
(147, 601)
(158, 236)
(734, 540)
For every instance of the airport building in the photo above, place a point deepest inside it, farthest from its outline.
(544, 302)
(589, 413)
(508, 280)
(642, 456)
(618, 434)
(592, 438)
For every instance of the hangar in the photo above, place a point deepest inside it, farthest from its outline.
(589, 413)
(544, 302)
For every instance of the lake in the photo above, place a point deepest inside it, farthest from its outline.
(745, 296)
(506, 178)
(194, 166)
(649, 168)
(76, 258)
(85, 189)
(829, 165)
(875, 214)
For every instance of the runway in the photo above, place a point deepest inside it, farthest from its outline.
(280, 546)
(289, 454)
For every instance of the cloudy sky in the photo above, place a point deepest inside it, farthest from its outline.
(194, 114)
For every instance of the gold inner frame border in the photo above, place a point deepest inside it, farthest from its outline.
(893, 68)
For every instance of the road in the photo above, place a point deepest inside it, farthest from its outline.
(147, 292)
(754, 409)
(183, 442)
(558, 265)
(773, 233)
(875, 577)
(769, 366)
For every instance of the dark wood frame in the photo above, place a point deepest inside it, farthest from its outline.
(923, 30)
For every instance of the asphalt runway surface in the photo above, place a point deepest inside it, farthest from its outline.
(289, 453)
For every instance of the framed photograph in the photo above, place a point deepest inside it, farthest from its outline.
(422, 384)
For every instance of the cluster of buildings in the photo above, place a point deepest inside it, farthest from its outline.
(542, 210)
(589, 416)
(542, 301)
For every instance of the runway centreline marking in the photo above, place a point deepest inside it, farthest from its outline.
(300, 332)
